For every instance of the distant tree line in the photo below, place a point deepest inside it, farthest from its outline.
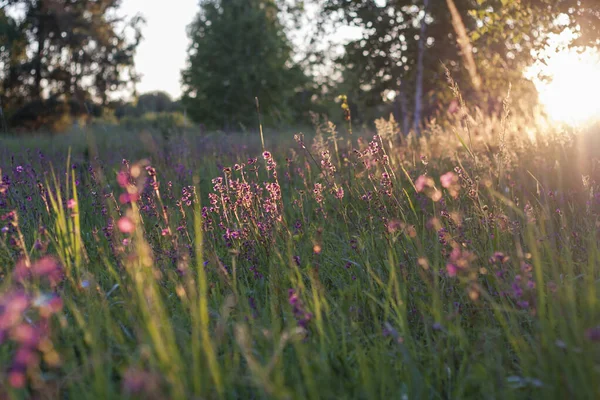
(62, 60)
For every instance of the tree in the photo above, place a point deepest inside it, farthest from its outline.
(12, 51)
(156, 102)
(518, 29)
(486, 44)
(400, 52)
(239, 51)
(78, 51)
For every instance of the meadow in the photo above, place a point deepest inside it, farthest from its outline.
(462, 263)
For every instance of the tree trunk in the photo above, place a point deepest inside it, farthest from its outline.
(466, 47)
(403, 103)
(420, 61)
(41, 42)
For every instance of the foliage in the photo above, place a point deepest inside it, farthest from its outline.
(506, 36)
(513, 33)
(384, 60)
(154, 120)
(12, 47)
(157, 102)
(240, 52)
(76, 51)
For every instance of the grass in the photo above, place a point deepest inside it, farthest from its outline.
(459, 264)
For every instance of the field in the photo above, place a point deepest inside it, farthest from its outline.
(463, 263)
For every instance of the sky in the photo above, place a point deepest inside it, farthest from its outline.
(162, 54)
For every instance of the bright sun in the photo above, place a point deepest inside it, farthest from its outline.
(571, 94)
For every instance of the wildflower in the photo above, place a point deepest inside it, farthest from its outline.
(450, 181)
(123, 179)
(299, 138)
(252, 304)
(125, 198)
(47, 267)
(302, 316)
(451, 269)
(28, 336)
(136, 381)
(318, 192)
(257, 274)
(12, 306)
(394, 225)
(524, 304)
(426, 184)
(71, 204)
(593, 334)
(499, 257)
(126, 225)
(386, 184)
(458, 261)
(16, 379)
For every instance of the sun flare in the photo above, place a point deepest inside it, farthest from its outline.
(571, 91)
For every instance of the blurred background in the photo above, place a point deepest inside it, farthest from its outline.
(68, 64)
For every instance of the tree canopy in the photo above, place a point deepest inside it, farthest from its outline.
(503, 36)
(73, 51)
(240, 52)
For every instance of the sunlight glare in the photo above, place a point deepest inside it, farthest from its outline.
(571, 92)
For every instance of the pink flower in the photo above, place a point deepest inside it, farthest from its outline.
(16, 379)
(458, 261)
(422, 182)
(12, 306)
(448, 179)
(451, 269)
(126, 225)
(25, 334)
(123, 179)
(71, 204)
(454, 107)
(48, 267)
(426, 184)
(128, 198)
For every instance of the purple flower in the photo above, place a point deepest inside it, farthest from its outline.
(302, 316)
(593, 334)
